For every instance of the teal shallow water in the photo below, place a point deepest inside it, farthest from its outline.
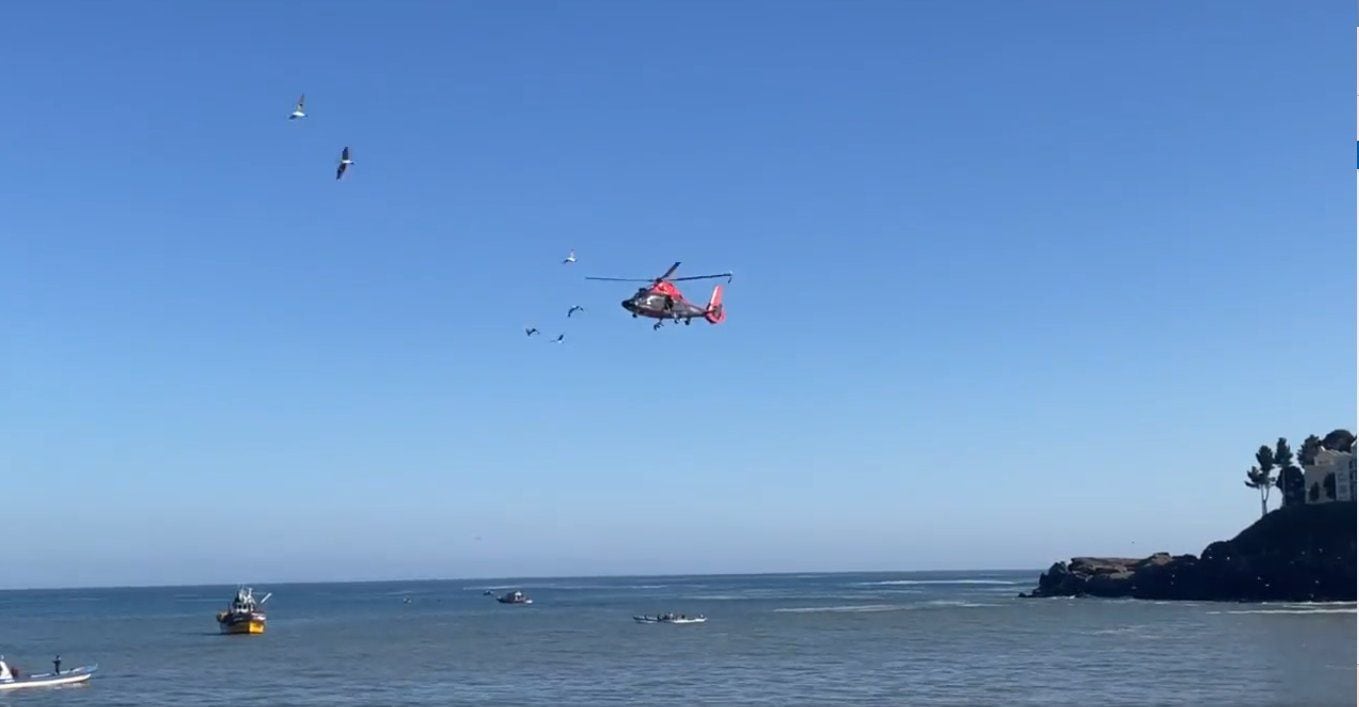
(886, 638)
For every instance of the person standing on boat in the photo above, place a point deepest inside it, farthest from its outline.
(56, 665)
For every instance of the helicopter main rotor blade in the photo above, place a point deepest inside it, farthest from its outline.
(621, 279)
(669, 272)
(703, 277)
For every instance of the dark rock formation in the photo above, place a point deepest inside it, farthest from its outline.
(1297, 553)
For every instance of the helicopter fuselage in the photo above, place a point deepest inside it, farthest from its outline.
(662, 301)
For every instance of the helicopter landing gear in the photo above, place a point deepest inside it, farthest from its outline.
(688, 321)
(657, 326)
(634, 315)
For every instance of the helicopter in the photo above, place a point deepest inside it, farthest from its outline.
(662, 301)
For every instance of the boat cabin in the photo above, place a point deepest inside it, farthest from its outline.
(244, 601)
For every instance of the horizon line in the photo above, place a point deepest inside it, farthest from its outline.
(506, 577)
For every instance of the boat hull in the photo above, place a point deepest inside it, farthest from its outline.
(654, 620)
(242, 627)
(73, 676)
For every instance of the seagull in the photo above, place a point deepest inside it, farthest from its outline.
(573, 310)
(570, 258)
(530, 331)
(559, 339)
(297, 111)
(344, 163)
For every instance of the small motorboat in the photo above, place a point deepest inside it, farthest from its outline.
(670, 619)
(514, 598)
(10, 680)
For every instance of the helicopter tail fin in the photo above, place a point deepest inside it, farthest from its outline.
(715, 314)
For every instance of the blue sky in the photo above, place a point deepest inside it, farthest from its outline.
(1014, 281)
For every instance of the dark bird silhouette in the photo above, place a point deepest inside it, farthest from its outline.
(530, 331)
(573, 310)
(344, 163)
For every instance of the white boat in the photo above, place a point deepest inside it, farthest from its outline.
(10, 681)
(670, 619)
(514, 598)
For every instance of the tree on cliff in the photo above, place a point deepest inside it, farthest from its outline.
(1307, 454)
(1292, 485)
(1283, 454)
(1339, 441)
(1259, 477)
(1289, 480)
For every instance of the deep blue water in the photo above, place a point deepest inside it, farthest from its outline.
(886, 638)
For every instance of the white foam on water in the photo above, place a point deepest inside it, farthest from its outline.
(958, 603)
(1295, 612)
(1141, 630)
(908, 582)
(845, 609)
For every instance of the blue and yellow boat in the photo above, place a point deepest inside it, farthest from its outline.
(244, 616)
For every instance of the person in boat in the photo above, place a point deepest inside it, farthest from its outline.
(56, 665)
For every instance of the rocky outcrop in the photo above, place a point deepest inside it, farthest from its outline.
(1297, 553)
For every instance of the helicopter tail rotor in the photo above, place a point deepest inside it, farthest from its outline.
(715, 314)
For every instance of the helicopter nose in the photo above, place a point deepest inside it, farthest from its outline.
(627, 304)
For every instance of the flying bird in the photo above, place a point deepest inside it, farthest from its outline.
(559, 339)
(570, 258)
(573, 310)
(345, 162)
(530, 331)
(297, 110)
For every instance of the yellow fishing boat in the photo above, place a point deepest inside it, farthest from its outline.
(244, 616)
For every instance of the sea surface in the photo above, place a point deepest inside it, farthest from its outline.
(960, 638)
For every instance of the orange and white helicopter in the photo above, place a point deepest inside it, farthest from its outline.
(662, 301)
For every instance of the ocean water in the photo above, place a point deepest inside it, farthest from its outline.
(886, 638)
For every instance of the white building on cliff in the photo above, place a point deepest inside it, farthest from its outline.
(1339, 467)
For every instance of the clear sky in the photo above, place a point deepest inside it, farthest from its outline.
(1014, 281)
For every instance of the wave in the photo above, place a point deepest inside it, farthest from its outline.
(846, 609)
(868, 608)
(571, 587)
(1295, 612)
(909, 582)
(1140, 630)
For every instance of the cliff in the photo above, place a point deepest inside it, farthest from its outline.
(1297, 553)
